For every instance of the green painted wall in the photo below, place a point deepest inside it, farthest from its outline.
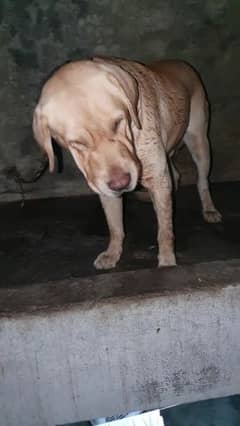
(213, 412)
(38, 35)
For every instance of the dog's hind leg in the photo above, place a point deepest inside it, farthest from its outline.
(175, 174)
(197, 142)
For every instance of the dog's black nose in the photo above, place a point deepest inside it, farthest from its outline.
(119, 181)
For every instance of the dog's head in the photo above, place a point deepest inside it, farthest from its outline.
(91, 108)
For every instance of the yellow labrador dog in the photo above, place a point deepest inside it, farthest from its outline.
(122, 121)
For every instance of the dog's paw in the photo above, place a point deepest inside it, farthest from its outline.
(167, 260)
(212, 216)
(106, 260)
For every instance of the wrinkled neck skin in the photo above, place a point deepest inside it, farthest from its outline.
(151, 134)
(157, 109)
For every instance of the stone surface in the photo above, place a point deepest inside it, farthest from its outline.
(36, 36)
(142, 340)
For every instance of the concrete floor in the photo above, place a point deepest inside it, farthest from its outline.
(59, 238)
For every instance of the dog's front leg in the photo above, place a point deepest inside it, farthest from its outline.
(114, 215)
(159, 186)
(161, 194)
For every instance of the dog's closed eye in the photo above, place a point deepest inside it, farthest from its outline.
(116, 124)
(79, 145)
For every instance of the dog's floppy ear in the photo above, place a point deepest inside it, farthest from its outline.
(127, 84)
(43, 137)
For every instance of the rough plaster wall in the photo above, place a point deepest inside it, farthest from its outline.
(38, 35)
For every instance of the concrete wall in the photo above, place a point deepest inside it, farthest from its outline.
(79, 349)
(38, 35)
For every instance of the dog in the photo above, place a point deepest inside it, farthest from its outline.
(122, 122)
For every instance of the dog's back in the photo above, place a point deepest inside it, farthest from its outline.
(178, 72)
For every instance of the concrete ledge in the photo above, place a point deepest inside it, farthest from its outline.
(118, 342)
